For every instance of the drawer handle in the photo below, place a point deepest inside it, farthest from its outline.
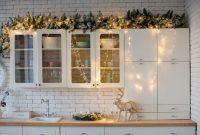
(140, 116)
(83, 133)
(172, 133)
(42, 134)
(174, 116)
(128, 133)
(173, 108)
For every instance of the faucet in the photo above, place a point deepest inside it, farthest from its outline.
(47, 102)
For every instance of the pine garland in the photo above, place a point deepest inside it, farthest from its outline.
(133, 19)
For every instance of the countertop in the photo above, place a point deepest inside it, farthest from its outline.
(101, 123)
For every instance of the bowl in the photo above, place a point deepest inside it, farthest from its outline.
(108, 43)
(51, 42)
(83, 44)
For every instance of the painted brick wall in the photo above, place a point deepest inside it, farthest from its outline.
(193, 12)
(66, 101)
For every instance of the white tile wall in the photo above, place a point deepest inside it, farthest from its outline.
(193, 12)
(65, 101)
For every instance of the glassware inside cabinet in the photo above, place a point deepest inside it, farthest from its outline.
(80, 58)
(51, 58)
(109, 58)
(24, 59)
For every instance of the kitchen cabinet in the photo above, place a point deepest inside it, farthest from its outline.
(40, 130)
(119, 131)
(96, 59)
(150, 130)
(173, 83)
(51, 57)
(82, 130)
(141, 45)
(164, 130)
(173, 44)
(10, 130)
(38, 58)
(81, 59)
(23, 67)
(141, 85)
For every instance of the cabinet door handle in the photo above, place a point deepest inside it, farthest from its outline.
(173, 63)
(36, 84)
(174, 116)
(83, 133)
(93, 84)
(42, 134)
(173, 59)
(140, 59)
(173, 108)
(140, 63)
(39, 84)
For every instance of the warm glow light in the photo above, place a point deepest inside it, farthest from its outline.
(125, 31)
(138, 76)
(161, 50)
(163, 41)
(138, 87)
(129, 38)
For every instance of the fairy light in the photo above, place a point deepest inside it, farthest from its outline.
(78, 59)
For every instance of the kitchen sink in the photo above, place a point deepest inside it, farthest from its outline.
(46, 119)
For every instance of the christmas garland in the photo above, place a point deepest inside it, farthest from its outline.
(133, 19)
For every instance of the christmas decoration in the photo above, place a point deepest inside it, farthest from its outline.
(133, 19)
(88, 116)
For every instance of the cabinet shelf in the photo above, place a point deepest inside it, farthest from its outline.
(109, 67)
(52, 49)
(51, 67)
(23, 67)
(28, 49)
(81, 49)
(109, 49)
(81, 67)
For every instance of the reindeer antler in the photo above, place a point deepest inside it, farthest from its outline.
(121, 94)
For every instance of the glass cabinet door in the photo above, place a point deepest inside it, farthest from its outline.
(23, 58)
(111, 58)
(82, 56)
(52, 55)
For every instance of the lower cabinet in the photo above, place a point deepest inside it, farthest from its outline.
(41, 130)
(10, 130)
(150, 131)
(82, 130)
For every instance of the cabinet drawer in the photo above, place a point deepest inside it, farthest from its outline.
(118, 131)
(173, 108)
(147, 108)
(82, 131)
(185, 115)
(41, 130)
(146, 116)
(164, 131)
(10, 130)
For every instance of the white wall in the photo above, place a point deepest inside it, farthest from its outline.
(193, 13)
(64, 101)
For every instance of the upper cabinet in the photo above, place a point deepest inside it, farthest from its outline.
(173, 44)
(81, 59)
(141, 45)
(23, 58)
(96, 59)
(110, 58)
(38, 58)
(51, 57)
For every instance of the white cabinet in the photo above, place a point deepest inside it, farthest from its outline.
(173, 83)
(51, 57)
(164, 131)
(41, 130)
(81, 59)
(173, 44)
(96, 59)
(141, 84)
(141, 45)
(119, 131)
(150, 130)
(38, 58)
(23, 64)
(10, 130)
(82, 130)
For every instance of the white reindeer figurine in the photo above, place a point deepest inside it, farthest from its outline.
(129, 106)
